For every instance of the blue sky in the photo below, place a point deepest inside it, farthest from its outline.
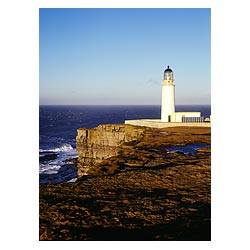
(117, 56)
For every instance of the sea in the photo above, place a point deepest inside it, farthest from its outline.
(58, 129)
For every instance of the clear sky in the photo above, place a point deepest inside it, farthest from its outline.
(117, 56)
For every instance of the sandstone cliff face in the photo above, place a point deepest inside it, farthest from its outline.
(96, 144)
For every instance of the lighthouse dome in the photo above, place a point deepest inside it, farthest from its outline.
(168, 70)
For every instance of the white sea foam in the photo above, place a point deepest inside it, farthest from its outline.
(72, 180)
(49, 169)
(64, 148)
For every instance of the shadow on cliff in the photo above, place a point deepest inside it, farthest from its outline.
(164, 232)
(193, 228)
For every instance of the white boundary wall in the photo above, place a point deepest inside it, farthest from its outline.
(179, 115)
(160, 124)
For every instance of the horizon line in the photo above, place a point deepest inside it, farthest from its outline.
(120, 104)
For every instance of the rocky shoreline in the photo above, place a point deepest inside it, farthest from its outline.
(142, 192)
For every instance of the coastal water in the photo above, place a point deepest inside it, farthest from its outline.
(58, 129)
(189, 148)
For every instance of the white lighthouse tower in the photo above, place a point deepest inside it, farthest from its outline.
(170, 118)
(168, 97)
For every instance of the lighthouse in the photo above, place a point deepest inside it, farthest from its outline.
(170, 118)
(168, 97)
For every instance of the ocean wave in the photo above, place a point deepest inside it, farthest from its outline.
(63, 148)
(49, 169)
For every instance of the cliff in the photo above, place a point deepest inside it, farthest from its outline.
(145, 192)
(96, 144)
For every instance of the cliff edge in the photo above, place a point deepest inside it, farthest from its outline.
(96, 144)
(98, 147)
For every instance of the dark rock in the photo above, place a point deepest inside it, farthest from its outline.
(72, 160)
(48, 157)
